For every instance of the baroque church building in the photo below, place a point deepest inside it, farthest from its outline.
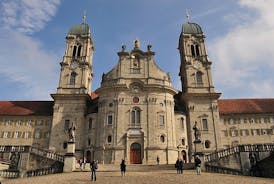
(136, 114)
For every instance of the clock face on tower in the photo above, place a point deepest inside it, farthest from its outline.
(197, 64)
(74, 65)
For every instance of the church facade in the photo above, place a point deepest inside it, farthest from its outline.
(136, 114)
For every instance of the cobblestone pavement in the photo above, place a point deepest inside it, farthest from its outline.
(155, 177)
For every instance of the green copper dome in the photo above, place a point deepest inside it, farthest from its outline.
(191, 28)
(79, 29)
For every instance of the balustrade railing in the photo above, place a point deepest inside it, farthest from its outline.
(222, 170)
(9, 174)
(47, 154)
(240, 148)
(43, 171)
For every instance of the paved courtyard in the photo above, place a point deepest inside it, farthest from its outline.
(154, 177)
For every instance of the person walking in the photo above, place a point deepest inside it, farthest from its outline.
(123, 167)
(93, 168)
(198, 164)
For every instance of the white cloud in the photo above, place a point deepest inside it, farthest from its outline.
(27, 16)
(244, 57)
(23, 58)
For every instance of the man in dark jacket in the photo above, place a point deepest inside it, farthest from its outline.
(93, 168)
(198, 165)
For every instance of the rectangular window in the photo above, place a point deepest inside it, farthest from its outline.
(6, 135)
(234, 133)
(205, 125)
(39, 123)
(244, 132)
(15, 135)
(67, 125)
(109, 119)
(37, 135)
(26, 136)
(161, 120)
(255, 132)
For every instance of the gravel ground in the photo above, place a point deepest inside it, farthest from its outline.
(154, 177)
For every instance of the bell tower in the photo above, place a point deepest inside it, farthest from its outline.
(73, 91)
(76, 66)
(198, 91)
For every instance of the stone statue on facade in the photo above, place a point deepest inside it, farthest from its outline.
(197, 133)
(71, 132)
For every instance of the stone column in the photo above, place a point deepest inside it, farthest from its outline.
(69, 161)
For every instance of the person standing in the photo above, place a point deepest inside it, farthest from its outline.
(158, 160)
(198, 164)
(177, 166)
(180, 165)
(93, 168)
(123, 167)
(84, 163)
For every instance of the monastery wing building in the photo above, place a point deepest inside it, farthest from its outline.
(136, 114)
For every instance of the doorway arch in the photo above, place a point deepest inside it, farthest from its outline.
(135, 153)
(88, 156)
(184, 156)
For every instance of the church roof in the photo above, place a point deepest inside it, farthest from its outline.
(23, 108)
(191, 28)
(79, 29)
(246, 106)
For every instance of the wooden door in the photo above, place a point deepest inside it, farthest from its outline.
(135, 154)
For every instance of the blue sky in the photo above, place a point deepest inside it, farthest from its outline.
(239, 40)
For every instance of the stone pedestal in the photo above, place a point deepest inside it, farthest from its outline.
(69, 161)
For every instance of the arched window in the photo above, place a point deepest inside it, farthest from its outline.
(183, 142)
(162, 138)
(197, 50)
(192, 50)
(135, 117)
(74, 51)
(72, 78)
(199, 78)
(109, 139)
(182, 123)
(79, 51)
(207, 144)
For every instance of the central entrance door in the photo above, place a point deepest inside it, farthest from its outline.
(135, 153)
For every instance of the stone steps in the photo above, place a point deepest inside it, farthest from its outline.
(137, 167)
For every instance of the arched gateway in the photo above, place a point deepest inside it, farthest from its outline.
(135, 153)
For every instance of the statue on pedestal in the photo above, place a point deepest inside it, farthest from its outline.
(71, 132)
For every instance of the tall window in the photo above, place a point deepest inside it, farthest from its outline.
(72, 78)
(37, 134)
(205, 124)
(79, 51)
(109, 119)
(26, 135)
(195, 50)
(90, 123)
(67, 124)
(199, 78)
(162, 138)
(136, 117)
(182, 123)
(76, 51)
(109, 139)
(161, 120)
